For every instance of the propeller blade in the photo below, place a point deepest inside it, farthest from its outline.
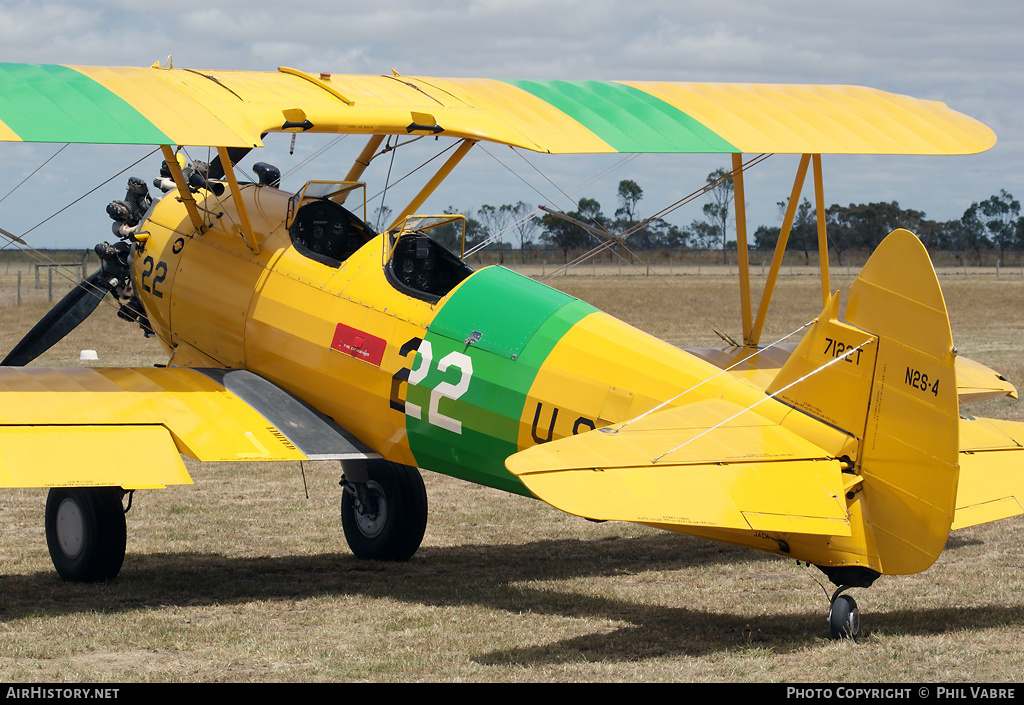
(63, 318)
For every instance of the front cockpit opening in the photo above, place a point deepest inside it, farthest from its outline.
(321, 228)
(328, 233)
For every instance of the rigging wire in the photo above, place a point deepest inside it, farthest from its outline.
(80, 198)
(665, 403)
(34, 172)
(315, 155)
(600, 175)
(398, 181)
(663, 212)
(815, 371)
(387, 180)
(61, 270)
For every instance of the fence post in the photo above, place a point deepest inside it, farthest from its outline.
(49, 282)
(19, 287)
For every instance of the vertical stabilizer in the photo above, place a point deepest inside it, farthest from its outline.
(910, 450)
(894, 391)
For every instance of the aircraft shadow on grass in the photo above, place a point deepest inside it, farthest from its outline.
(497, 577)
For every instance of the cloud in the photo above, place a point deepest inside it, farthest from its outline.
(964, 54)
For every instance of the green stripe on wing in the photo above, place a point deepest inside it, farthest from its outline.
(50, 103)
(627, 118)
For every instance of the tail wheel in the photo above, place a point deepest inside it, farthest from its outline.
(844, 618)
(86, 532)
(385, 517)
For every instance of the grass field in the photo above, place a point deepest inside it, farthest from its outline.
(241, 578)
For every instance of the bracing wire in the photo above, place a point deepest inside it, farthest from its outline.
(80, 198)
(660, 214)
(744, 410)
(621, 162)
(34, 172)
(731, 367)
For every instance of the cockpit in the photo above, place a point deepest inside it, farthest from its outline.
(418, 253)
(418, 264)
(321, 228)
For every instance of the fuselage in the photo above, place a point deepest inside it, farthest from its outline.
(456, 385)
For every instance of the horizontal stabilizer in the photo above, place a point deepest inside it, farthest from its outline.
(747, 473)
(974, 381)
(991, 483)
(977, 382)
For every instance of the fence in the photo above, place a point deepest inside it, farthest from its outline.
(543, 263)
(48, 274)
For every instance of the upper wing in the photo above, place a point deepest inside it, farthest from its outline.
(126, 105)
(126, 426)
(749, 473)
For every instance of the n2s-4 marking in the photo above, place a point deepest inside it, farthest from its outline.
(919, 380)
(444, 390)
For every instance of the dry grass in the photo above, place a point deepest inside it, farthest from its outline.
(241, 578)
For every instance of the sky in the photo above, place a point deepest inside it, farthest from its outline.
(967, 55)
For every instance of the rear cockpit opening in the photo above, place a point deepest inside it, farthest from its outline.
(418, 264)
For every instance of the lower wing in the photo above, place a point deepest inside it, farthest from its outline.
(126, 427)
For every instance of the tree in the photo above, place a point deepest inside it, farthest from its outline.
(626, 219)
(382, 217)
(629, 195)
(717, 212)
(864, 225)
(803, 234)
(560, 233)
(765, 237)
(524, 227)
(666, 235)
(1001, 217)
(496, 220)
(972, 235)
(450, 235)
(704, 235)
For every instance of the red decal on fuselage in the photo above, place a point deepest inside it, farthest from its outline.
(358, 344)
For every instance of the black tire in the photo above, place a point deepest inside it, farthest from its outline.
(844, 618)
(86, 532)
(391, 530)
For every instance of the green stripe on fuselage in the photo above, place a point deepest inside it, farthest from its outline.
(50, 103)
(628, 119)
(519, 321)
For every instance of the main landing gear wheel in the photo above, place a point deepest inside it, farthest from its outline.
(86, 532)
(843, 616)
(384, 518)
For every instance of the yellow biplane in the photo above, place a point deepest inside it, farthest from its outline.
(294, 331)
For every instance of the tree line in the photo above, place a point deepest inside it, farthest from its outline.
(994, 224)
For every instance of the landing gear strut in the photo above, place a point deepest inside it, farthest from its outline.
(843, 616)
(85, 532)
(384, 518)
